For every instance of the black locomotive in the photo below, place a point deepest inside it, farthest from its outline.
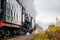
(13, 19)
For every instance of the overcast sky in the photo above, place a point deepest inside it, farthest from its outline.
(47, 10)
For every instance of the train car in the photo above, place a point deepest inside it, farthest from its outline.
(10, 17)
(13, 18)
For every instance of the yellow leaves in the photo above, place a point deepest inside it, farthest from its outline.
(55, 32)
(54, 29)
(49, 32)
(41, 36)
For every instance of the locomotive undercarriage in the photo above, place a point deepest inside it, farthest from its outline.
(10, 32)
(6, 31)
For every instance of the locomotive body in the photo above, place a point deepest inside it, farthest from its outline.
(13, 18)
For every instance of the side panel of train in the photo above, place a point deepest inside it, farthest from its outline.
(13, 19)
(11, 11)
(10, 17)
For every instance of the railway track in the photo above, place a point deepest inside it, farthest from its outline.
(22, 37)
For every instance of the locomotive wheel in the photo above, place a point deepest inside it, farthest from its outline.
(13, 33)
(18, 32)
(7, 33)
(1, 33)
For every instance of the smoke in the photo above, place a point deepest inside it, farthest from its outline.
(29, 6)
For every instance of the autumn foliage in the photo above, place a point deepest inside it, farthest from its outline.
(53, 32)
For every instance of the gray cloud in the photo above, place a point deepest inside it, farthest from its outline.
(47, 8)
(49, 3)
(53, 5)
